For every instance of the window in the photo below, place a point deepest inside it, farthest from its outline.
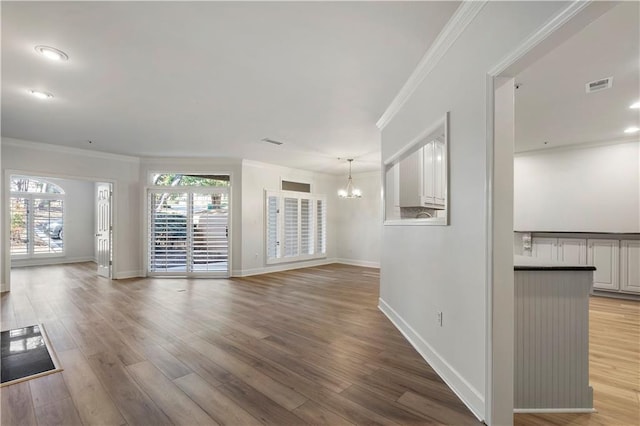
(295, 226)
(36, 210)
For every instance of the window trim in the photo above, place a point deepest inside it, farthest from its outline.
(315, 198)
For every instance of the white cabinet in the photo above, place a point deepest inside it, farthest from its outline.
(423, 177)
(604, 254)
(569, 250)
(630, 266)
(572, 250)
(434, 178)
(544, 248)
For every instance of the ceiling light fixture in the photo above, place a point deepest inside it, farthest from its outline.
(52, 53)
(632, 129)
(635, 105)
(350, 191)
(41, 95)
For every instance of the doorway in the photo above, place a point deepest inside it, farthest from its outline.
(188, 226)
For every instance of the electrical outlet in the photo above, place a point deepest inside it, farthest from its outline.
(439, 318)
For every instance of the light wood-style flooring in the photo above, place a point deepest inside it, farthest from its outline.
(291, 348)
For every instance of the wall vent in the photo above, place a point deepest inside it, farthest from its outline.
(598, 85)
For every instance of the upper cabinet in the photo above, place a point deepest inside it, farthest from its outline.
(423, 178)
(416, 179)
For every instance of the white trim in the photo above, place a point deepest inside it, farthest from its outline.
(488, 193)
(440, 221)
(554, 410)
(421, 136)
(456, 25)
(23, 263)
(574, 147)
(539, 35)
(469, 395)
(122, 275)
(281, 267)
(62, 149)
(356, 262)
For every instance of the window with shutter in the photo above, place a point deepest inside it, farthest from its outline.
(295, 226)
(189, 225)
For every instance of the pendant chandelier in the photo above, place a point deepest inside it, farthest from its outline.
(350, 191)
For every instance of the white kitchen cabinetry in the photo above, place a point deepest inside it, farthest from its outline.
(544, 248)
(433, 177)
(569, 250)
(423, 177)
(604, 255)
(630, 266)
(572, 250)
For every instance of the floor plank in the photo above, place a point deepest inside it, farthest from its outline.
(16, 405)
(175, 403)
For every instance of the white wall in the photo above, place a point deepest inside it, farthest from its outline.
(258, 177)
(48, 160)
(589, 189)
(425, 269)
(79, 224)
(359, 221)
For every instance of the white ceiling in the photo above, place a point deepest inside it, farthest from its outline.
(211, 79)
(552, 105)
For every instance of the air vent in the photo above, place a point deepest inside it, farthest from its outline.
(267, 140)
(598, 85)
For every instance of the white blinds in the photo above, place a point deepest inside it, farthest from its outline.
(321, 229)
(291, 226)
(273, 245)
(295, 226)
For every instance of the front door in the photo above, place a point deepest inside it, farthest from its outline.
(103, 229)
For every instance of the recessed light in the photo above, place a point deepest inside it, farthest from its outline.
(41, 95)
(632, 129)
(635, 105)
(52, 53)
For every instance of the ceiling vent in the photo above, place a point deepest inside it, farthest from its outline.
(598, 85)
(271, 141)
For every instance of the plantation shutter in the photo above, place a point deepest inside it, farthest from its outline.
(273, 228)
(321, 231)
(291, 227)
(306, 226)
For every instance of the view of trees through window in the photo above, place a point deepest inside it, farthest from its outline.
(36, 217)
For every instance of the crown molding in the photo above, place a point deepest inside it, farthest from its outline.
(462, 17)
(540, 35)
(574, 146)
(61, 149)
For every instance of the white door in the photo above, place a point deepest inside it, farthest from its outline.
(572, 250)
(103, 229)
(544, 248)
(604, 254)
(630, 265)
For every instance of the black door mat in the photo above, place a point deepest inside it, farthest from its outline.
(26, 354)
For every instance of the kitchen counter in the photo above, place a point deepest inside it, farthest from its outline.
(527, 263)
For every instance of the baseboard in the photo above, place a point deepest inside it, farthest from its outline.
(281, 267)
(356, 262)
(553, 410)
(50, 261)
(123, 275)
(463, 389)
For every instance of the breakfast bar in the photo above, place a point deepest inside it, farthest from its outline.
(552, 336)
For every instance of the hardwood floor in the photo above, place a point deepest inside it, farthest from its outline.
(298, 347)
(614, 367)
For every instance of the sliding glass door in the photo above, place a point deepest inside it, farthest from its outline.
(188, 232)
